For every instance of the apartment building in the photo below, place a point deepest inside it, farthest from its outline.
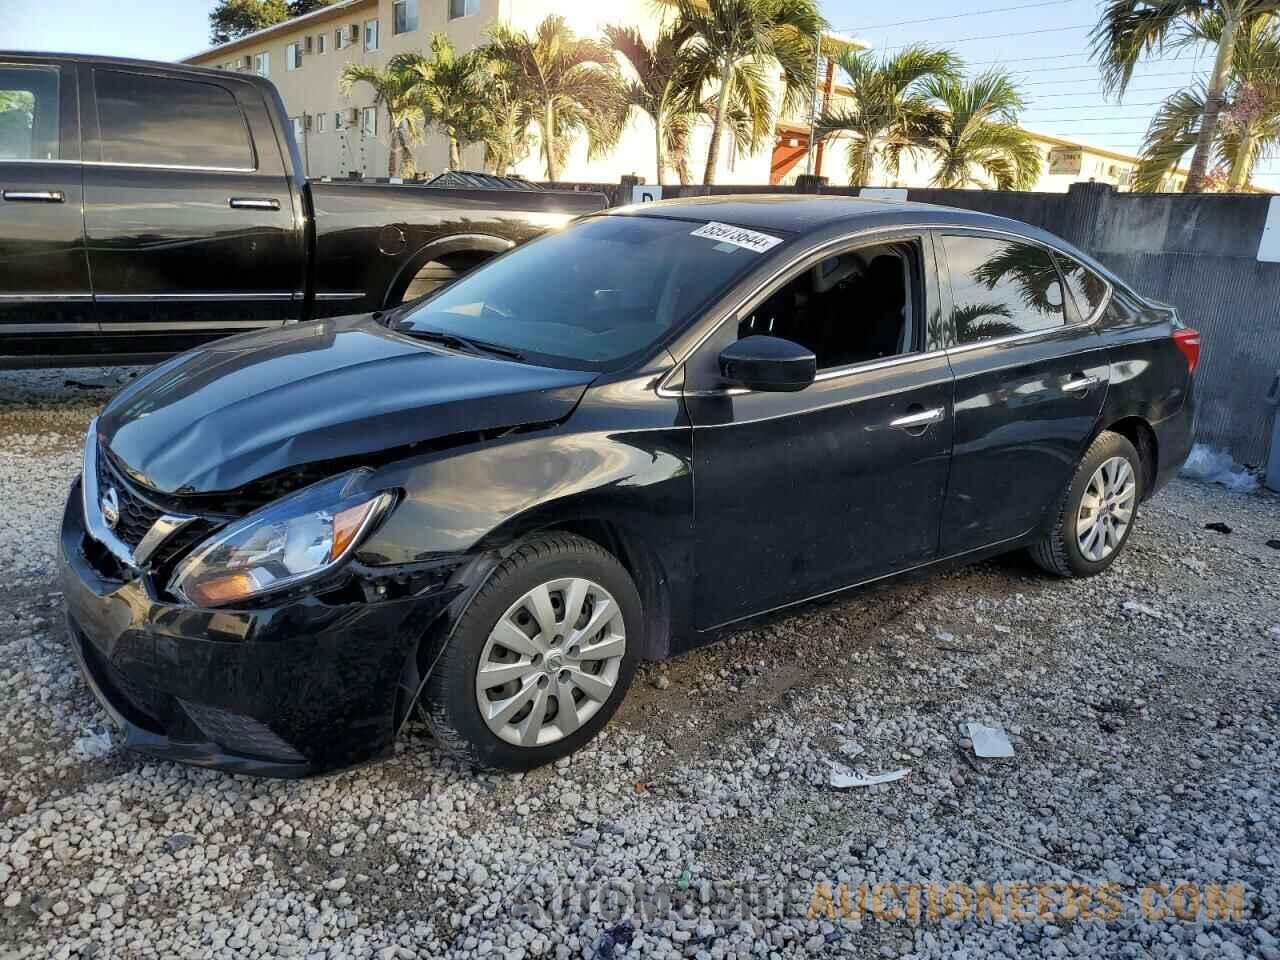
(341, 134)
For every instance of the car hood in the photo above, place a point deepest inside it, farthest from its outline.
(243, 408)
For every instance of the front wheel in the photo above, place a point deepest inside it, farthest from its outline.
(541, 659)
(1097, 513)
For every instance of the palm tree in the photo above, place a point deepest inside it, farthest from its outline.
(395, 89)
(504, 120)
(979, 140)
(1128, 30)
(738, 47)
(451, 90)
(570, 85)
(657, 89)
(889, 110)
(1249, 123)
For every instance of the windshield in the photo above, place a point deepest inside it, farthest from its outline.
(591, 296)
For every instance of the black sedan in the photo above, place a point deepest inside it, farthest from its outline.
(608, 445)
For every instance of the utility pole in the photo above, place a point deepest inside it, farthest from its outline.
(813, 105)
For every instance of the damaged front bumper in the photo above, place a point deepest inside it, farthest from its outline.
(302, 687)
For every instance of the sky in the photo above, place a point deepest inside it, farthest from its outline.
(1043, 42)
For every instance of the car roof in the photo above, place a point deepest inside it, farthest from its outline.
(804, 214)
(28, 56)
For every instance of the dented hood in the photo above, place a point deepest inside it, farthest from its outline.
(243, 408)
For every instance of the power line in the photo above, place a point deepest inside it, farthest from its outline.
(994, 36)
(1145, 76)
(960, 16)
(1089, 106)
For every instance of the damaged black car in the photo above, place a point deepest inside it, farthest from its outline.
(611, 444)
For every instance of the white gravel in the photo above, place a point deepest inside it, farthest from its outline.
(1143, 706)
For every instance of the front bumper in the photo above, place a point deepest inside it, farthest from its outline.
(301, 688)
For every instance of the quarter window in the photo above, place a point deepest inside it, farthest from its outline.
(371, 34)
(855, 307)
(169, 122)
(404, 16)
(1001, 288)
(28, 113)
(1087, 289)
(463, 8)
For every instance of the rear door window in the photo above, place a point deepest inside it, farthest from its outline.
(28, 112)
(162, 121)
(1001, 288)
(1087, 289)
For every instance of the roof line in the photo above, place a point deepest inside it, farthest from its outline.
(250, 38)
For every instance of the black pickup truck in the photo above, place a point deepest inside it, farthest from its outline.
(148, 208)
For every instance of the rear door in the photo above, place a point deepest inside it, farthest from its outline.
(45, 298)
(1030, 378)
(189, 215)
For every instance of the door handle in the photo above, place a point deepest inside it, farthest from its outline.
(253, 203)
(35, 196)
(922, 418)
(1079, 384)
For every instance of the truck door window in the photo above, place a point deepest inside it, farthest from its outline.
(162, 121)
(854, 307)
(28, 112)
(1001, 288)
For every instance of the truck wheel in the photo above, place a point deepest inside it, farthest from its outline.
(435, 274)
(541, 659)
(1097, 513)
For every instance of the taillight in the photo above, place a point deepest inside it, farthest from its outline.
(1188, 341)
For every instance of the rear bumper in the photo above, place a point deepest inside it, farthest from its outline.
(1174, 437)
(301, 688)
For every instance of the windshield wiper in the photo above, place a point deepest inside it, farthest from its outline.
(459, 343)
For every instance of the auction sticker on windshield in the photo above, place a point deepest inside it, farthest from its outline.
(738, 236)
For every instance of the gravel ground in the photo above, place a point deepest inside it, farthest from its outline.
(1142, 705)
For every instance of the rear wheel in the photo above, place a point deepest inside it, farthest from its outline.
(438, 273)
(1098, 511)
(541, 659)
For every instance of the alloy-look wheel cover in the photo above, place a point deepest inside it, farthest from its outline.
(1106, 509)
(551, 662)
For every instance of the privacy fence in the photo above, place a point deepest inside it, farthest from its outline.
(1205, 254)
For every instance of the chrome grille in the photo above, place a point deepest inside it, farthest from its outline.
(136, 515)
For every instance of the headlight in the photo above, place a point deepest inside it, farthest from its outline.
(300, 536)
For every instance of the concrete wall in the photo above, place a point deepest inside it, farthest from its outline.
(1196, 252)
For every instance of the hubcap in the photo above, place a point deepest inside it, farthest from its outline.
(550, 662)
(1106, 509)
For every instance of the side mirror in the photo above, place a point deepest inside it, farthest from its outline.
(768, 364)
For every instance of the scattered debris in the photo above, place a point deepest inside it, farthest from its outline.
(1133, 606)
(943, 637)
(946, 649)
(93, 745)
(179, 841)
(850, 749)
(619, 935)
(1218, 527)
(661, 681)
(1212, 465)
(1274, 544)
(82, 385)
(842, 777)
(989, 742)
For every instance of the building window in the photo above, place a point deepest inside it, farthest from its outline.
(340, 38)
(369, 122)
(262, 64)
(293, 55)
(463, 8)
(337, 121)
(371, 34)
(322, 122)
(299, 128)
(321, 40)
(404, 16)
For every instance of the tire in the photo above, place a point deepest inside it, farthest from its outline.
(1062, 551)
(575, 572)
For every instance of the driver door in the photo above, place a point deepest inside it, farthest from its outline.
(801, 494)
